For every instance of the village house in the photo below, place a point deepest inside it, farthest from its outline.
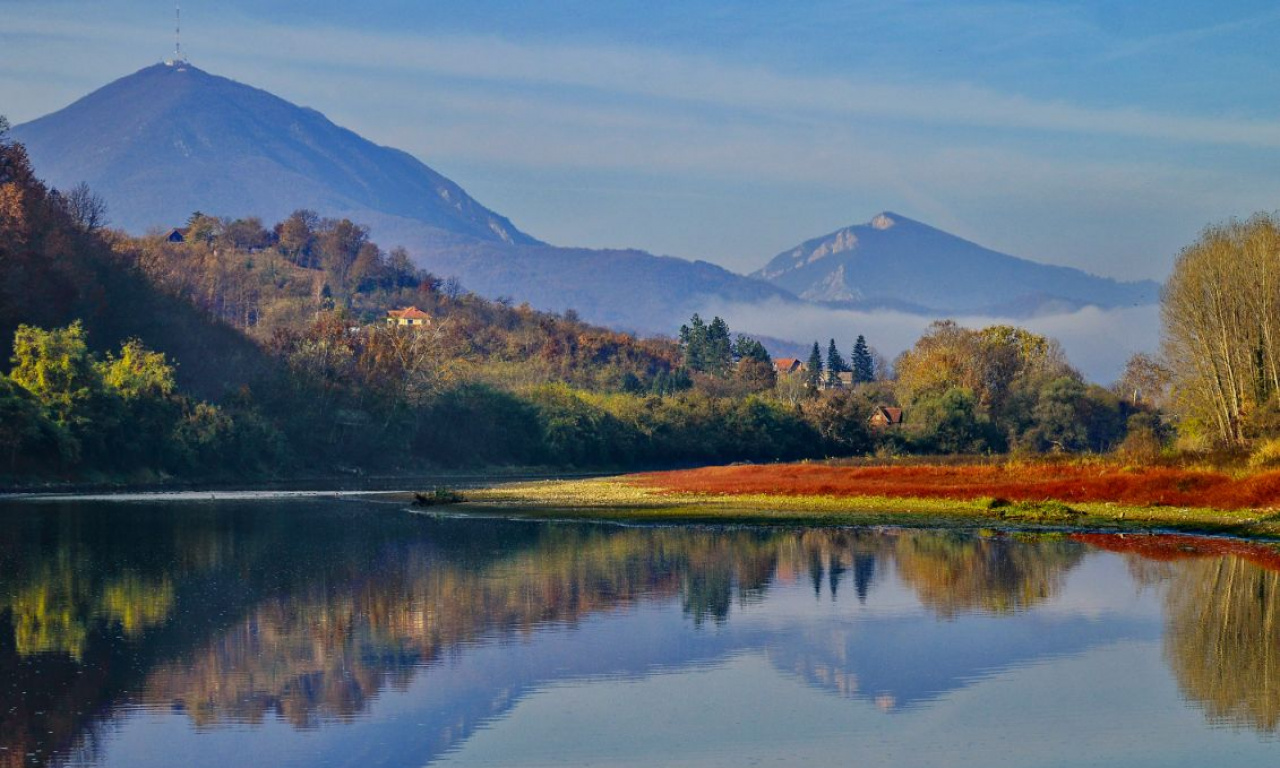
(411, 316)
(177, 235)
(787, 365)
(885, 416)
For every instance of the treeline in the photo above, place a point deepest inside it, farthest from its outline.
(248, 350)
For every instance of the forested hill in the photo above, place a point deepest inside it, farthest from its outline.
(55, 270)
(169, 140)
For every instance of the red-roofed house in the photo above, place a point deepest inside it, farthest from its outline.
(787, 365)
(411, 316)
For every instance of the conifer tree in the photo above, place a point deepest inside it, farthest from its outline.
(835, 365)
(864, 367)
(813, 373)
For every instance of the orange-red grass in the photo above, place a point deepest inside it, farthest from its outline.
(1015, 482)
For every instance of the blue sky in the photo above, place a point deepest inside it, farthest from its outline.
(1102, 135)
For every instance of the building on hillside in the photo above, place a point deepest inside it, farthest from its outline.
(885, 416)
(844, 380)
(788, 365)
(411, 316)
(177, 235)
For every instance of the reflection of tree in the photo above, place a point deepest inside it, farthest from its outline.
(54, 609)
(1223, 639)
(309, 615)
(955, 573)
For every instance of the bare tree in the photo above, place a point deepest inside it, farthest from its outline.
(86, 208)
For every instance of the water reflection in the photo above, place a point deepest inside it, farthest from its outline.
(309, 613)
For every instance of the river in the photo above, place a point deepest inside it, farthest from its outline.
(351, 631)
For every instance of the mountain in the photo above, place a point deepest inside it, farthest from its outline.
(893, 262)
(171, 139)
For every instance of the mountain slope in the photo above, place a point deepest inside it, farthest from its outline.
(169, 140)
(894, 262)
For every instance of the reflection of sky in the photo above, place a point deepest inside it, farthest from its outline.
(644, 686)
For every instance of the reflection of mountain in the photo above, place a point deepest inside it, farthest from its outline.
(902, 662)
(312, 613)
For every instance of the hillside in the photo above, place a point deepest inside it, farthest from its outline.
(893, 262)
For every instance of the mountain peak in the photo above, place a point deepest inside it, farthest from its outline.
(894, 261)
(172, 138)
(883, 220)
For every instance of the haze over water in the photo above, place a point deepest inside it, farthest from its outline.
(303, 631)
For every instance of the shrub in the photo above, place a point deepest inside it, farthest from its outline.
(1266, 455)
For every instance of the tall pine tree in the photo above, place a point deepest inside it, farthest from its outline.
(864, 367)
(813, 373)
(835, 365)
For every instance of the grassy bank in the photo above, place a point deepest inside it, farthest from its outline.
(645, 498)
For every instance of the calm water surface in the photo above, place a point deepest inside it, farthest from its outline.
(309, 632)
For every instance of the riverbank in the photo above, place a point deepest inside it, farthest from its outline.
(317, 482)
(692, 496)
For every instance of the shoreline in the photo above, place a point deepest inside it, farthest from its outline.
(620, 499)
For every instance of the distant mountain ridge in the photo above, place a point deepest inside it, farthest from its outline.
(893, 262)
(169, 140)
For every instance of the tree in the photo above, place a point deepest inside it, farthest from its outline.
(56, 367)
(1145, 381)
(863, 364)
(754, 368)
(1220, 312)
(951, 422)
(813, 369)
(137, 372)
(835, 364)
(706, 347)
(842, 421)
(86, 208)
(26, 432)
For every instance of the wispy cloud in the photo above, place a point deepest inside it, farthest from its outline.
(668, 76)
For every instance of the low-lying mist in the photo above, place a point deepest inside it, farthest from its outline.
(1097, 341)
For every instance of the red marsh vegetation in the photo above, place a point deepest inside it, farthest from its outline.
(1172, 547)
(1015, 481)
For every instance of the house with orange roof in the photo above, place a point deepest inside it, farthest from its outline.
(410, 316)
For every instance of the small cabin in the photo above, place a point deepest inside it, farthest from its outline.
(885, 416)
(787, 365)
(411, 316)
(177, 235)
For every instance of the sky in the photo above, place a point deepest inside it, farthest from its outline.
(1101, 135)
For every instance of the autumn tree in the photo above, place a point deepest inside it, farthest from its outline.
(1220, 312)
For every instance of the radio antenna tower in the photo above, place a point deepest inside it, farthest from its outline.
(177, 33)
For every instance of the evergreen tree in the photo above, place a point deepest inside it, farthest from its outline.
(813, 372)
(719, 354)
(707, 347)
(835, 365)
(864, 367)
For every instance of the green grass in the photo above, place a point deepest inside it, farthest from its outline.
(615, 499)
